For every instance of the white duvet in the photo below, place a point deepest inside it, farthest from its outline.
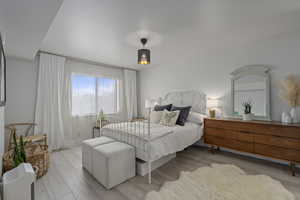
(163, 141)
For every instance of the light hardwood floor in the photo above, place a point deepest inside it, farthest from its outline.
(66, 180)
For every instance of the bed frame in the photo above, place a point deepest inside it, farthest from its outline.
(141, 129)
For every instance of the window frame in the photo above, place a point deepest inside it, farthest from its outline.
(97, 78)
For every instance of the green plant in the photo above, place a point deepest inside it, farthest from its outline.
(19, 155)
(101, 116)
(247, 107)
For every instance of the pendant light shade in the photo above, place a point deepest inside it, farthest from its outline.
(144, 54)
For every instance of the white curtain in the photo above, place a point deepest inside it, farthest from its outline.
(130, 93)
(49, 112)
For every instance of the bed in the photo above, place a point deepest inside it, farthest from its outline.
(155, 141)
(163, 140)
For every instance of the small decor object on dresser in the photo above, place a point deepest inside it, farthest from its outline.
(247, 116)
(286, 118)
(212, 105)
(290, 92)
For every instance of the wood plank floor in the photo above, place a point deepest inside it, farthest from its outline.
(66, 180)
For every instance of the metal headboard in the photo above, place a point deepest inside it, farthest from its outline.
(196, 99)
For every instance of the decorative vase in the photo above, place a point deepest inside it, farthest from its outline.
(283, 117)
(247, 117)
(293, 114)
(288, 119)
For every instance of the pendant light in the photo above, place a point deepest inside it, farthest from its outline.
(144, 54)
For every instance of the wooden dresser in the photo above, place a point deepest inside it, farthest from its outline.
(271, 139)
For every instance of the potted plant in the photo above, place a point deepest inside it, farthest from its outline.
(100, 117)
(290, 92)
(19, 155)
(247, 116)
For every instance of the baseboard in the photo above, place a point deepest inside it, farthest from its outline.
(142, 166)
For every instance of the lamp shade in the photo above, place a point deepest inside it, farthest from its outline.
(150, 103)
(144, 56)
(212, 103)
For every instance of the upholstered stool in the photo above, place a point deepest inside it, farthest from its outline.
(87, 150)
(113, 163)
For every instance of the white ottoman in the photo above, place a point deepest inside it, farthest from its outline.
(87, 150)
(113, 163)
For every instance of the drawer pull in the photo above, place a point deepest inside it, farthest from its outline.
(245, 132)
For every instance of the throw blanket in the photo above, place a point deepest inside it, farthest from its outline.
(221, 182)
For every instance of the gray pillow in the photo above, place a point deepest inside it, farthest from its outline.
(162, 107)
(183, 114)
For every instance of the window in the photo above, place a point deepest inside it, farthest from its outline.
(91, 94)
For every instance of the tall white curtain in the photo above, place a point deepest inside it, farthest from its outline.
(49, 112)
(130, 93)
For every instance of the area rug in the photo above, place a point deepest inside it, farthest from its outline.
(221, 182)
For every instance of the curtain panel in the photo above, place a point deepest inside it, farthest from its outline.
(130, 93)
(48, 114)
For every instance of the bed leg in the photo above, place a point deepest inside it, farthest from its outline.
(212, 149)
(149, 172)
(293, 168)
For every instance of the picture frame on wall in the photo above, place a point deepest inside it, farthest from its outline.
(2, 74)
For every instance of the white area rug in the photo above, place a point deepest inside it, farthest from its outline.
(221, 182)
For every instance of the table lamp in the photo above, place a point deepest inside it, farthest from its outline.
(212, 105)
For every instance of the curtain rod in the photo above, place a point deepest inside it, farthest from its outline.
(87, 61)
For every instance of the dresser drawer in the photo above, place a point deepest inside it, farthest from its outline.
(229, 143)
(256, 127)
(277, 152)
(241, 126)
(284, 131)
(228, 125)
(283, 142)
(230, 134)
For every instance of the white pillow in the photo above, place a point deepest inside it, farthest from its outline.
(196, 118)
(155, 116)
(169, 118)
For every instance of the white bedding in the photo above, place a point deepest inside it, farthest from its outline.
(164, 140)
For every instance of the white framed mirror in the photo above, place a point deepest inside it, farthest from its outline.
(251, 84)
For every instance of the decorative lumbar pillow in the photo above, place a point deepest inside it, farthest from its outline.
(196, 118)
(163, 107)
(169, 118)
(183, 114)
(155, 116)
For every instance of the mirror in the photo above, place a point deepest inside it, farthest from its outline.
(251, 84)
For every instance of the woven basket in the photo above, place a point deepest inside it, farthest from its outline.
(37, 155)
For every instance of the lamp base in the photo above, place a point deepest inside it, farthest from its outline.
(212, 113)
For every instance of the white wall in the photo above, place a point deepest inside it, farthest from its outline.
(21, 90)
(208, 69)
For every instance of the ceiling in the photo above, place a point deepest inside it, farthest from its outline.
(24, 24)
(107, 31)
